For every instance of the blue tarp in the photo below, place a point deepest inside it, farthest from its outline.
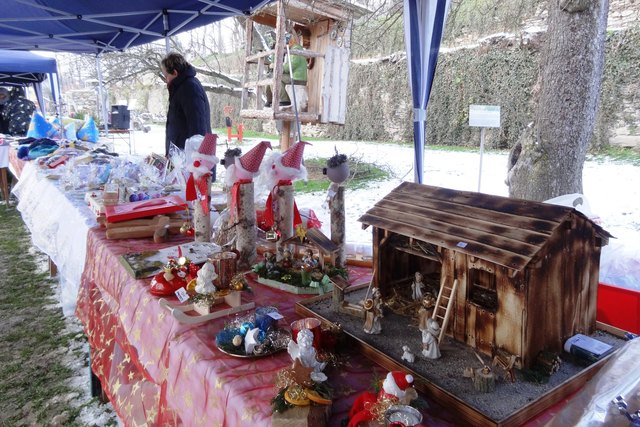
(96, 26)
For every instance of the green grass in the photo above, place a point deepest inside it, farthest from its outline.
(622, 154)
(33, 336)
(361, 175)
(222, 132)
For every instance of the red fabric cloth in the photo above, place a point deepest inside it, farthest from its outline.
(158, 371)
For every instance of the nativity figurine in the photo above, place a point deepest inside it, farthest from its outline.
(430, 345)
(417, 286)
(373, 313)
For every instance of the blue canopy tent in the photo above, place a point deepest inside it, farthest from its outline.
(25, 68)
(423, 28)
(81, 26)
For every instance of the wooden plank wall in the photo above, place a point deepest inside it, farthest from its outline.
(562, 292)
(334, 90)
(319, 42)
(511, 304)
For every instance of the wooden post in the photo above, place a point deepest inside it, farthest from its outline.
(338, 228)
(201, 222)
(284, 214)
(246, 241)
(285, 136)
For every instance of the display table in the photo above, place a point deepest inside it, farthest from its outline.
(15, 164)
(58, 222)
(155, 370)
(4, 165)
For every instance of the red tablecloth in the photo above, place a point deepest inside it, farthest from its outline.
(158, 371)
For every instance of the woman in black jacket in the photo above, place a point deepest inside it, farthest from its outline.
(189, 112)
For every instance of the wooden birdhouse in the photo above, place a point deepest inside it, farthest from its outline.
(525, 273)
(323, 30)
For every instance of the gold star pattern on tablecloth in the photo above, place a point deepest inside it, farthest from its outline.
(188, 399)
(249, 413)
(219, 383)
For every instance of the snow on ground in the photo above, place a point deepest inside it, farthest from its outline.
(611, 189)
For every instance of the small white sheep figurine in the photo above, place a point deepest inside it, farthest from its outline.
(407, 355)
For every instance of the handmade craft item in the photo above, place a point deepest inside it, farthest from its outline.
(397, 389)
(373, 313)
(202, 307)
(200, 166)
(302, 384)
(280, 170)
(205, 288)
(430, 345)
(242, 171)
(176, 274)
(253, 335)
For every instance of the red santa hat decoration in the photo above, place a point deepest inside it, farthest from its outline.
(286, 166)
(203, 159)
(242, 172)
(397, 383)
(247, 166)
(199, 165)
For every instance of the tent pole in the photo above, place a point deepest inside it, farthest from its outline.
(165, 23)
(103, 102)
(57, 95)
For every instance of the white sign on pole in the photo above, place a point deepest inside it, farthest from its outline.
(485, 116)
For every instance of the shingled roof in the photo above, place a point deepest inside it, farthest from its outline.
(505, 231)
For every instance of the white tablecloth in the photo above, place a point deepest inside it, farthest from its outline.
(4, 156)
(59, 222)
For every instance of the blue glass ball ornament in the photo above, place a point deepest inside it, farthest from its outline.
(246, 327)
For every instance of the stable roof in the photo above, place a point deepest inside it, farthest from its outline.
(83, 26)
(505, 231)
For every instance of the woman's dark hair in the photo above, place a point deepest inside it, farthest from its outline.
(174, 62)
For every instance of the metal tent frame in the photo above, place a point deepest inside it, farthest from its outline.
(80, 26)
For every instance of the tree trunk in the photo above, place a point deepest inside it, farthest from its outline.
(554, 149)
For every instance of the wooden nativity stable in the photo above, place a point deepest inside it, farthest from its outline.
(527, 271)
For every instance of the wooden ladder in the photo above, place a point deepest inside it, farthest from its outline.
(444, 304)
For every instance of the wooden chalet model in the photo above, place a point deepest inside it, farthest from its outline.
(325, 28)
(526, 272)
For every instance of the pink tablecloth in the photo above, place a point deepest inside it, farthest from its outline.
(158, 371)
(15, 163)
